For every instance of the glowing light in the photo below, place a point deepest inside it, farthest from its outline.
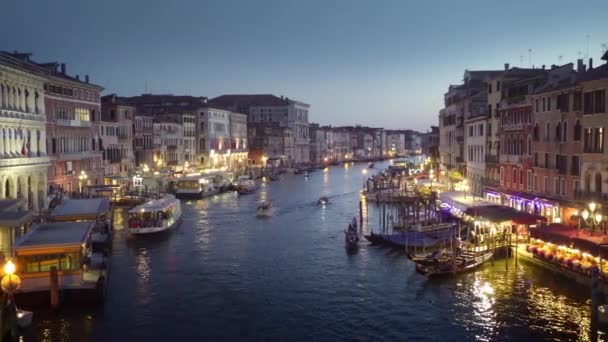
(592, 206)
(585, 214)
(9, 267)
(598, 217)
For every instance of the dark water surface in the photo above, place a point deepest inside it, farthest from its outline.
(225, 275)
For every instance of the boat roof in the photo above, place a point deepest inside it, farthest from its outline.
(154, 205)
(55, 234)
(80, 208)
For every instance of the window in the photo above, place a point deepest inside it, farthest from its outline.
(577, 131)
(563, 104)
(544, 104)
(600, 101)
(546, 160)
(535, 132)
(565, 132)
(497, 85)
(578, 101)
(481, 130)
(535, 158)
(537, 109)
(588, 103)
(547, 131)
(470, 131)
(546, 184)
(529, 179)
(575, 166)
(521, 177)
(489, 87)
(558, 132)
(502, 175)
(489, 129)
(549, 103)
(535, 183)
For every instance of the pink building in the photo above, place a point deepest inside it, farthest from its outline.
(73, 113)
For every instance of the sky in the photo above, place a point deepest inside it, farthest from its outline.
(382, 63)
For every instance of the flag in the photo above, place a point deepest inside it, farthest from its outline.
(24, 149)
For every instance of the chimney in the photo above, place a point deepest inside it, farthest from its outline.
(63, 68)
(590, 63)
(580, 67)
(78, 77)
(506, 66)
(86, 78)
(543, 67)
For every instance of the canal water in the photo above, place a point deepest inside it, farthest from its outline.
(225, 275)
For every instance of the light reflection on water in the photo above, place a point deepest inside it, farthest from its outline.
(226, 275)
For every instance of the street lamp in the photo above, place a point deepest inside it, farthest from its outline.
(592, 216)
(82, 177)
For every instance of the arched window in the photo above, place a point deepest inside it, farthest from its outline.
(598, 183)
(587, 181)
(558, 132)
(529, 151)
(547, 131)
(577, 131)
(508, 145)
(535, 133)
(565, 131)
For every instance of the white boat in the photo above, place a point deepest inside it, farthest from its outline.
(245, 185)
(24, 318)
(265, 210)
(198, 186)
(155, 216)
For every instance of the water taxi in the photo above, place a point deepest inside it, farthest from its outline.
(155, 216)
(197, 186)
(265, 210)
(245, 185)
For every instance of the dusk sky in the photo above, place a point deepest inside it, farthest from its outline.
(378, 63)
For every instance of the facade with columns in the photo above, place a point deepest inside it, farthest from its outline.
(23, 159)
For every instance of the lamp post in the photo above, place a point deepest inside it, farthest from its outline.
(82, 177)
(592, 216)
(9, 284)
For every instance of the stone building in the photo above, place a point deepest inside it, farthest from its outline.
(270, 109)
(23, 152)
(121, 115)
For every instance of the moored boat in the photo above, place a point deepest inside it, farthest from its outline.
(155, 216)
(197, 186)
(245, 185)
(466, 260)
(24, 318)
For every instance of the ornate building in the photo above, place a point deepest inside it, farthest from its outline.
(23, 158)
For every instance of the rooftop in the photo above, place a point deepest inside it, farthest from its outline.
(249, 100)
(81, 208)
(55, 234)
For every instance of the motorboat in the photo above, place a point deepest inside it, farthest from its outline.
(265, 209)
(24, 318)
(245, 185)
(323, 200)
(198, 186)
(155, 216)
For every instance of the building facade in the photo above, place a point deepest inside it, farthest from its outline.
(23, 152)
(143, 141)
(113, 111)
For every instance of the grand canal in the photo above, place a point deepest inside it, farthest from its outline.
(225, 275)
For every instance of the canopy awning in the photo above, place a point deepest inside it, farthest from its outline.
(564, 235)
(501, 213)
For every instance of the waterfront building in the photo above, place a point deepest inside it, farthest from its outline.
(113, 152)
(270, 109)
(341, 147)
(319, 144)
(119, 116)
(395, 142)
(430, 143)
(189, 143)
(475, 140)
(271, 145)
(73, 111)
(239, 146)
(594, 164)
(168, 143)
(143, 144)
(24, 162)
(556, 139)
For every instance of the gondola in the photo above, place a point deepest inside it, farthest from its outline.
(351, 238)
(466, 261)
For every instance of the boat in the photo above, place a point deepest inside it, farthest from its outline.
(466, 260)
(602, 316)
(265, 210)
(351, 238)
(197, 186)
(245, 185)
(155, 216)
(24, 318)
(273, 177)
(323, 200)
(370, 165)
(409, 239)
(432, 258)
(297, 171)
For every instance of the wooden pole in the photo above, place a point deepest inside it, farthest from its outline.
(360, 215)
(54, 288)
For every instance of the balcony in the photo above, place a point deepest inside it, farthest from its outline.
(588, 196)
(18, 115)
(77, 155)
(25, 161)
(72, 123)
(491, 159)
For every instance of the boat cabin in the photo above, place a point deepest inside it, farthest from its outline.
(89, 209)
(14, 223)
(163, 212)
(64, 245)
